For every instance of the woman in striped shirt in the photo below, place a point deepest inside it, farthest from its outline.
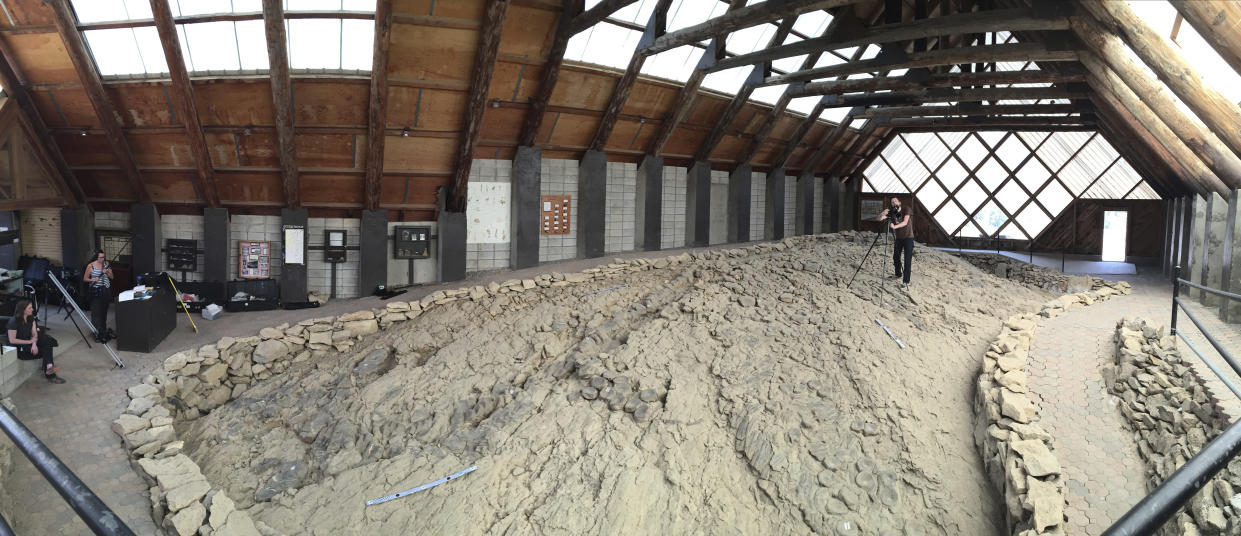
(99, 275)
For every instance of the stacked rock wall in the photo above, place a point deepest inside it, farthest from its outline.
(1035, 276)
(1172, 415)
(1016, 450)
(192, 383)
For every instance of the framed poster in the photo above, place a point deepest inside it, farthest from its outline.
(253, 259)
(555, 215)
(294, 244)
(411, 242)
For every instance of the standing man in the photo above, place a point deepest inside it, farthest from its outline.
(900, 221)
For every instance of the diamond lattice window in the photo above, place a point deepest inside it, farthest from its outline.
(1002, 184)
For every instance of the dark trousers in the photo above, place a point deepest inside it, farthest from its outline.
(905, 245)
(45, 353)
(99, 313)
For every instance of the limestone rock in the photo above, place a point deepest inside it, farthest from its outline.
(186, 494)
(359, 328)
(214, 374)
(1017, 406)
(1046, 502)
(1038, 459)
(187, 521)
(270, 350)
(143, 390)
(1015, 380)
(221, 507)
(360, 315)
(171, 472)
(127, 424)
(239, 524)
(138, 406)
(1011, 361)
(175, 362)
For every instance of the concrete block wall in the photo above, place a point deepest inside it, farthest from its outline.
(14, 372)
(1215, 247)
(673, 218)
(251, 227)
(559, 177)
(319, 273)
(40, 233)
(618, 227)
(488, 249)
(182, 227)
(790, 206)
(719, 207)
(112, 221)
(758, 200)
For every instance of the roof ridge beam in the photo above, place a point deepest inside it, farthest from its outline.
(893, 59)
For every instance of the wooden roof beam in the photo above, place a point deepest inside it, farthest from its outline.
(893, 59)
(689, 92)
(476, 103)
(768, 11)
(1108, 48)
(963, 23)
(377, 107)
(282, 101)
(620, 92)
(66, 25)
(976, 109)
(1110, 88)
(1217, 21)
(551, 71)
(955, 95)
(919, 79)
(1015, 123)
(583, 21)
(1218, 113)
(183, 96)
(63, 177)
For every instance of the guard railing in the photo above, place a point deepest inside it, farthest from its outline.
(1162, 504)
(97, 516)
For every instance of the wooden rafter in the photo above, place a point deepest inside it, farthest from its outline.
(66, 25)
(1017, 123)
(918, 79)
(476, 103)
(64, 179)
(551, 71)
(689, 92)
(183, 95)
(282, 101)
(1217, 112)
(1216, 21)
(1205, 144)
(620, 92)
(761, 13)
(955, 95)
(962, 23)
(377, 106)
(583, 21)
(975, 109)
(933, 58)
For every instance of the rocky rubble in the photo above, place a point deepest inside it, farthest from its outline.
(1101, 290)
(1035, 276)
(1172, 415)
(727, 391)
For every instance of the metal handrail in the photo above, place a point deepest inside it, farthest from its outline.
(1146, 517)
(89, 507)
(5, 529)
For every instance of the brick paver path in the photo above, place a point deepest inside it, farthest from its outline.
(1104, 474)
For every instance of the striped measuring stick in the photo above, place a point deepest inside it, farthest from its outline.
(423, 487)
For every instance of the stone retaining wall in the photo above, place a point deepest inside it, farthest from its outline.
(1172, 415)
(1016, 450)
(1005, 267)
(192, 383)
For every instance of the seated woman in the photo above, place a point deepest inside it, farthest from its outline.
(24, 334)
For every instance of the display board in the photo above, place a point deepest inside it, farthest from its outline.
(253, 259)
(294, 244)
(555, 214)
(182, 254)
(411, 242)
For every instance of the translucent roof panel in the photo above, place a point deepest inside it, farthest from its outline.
(686, 13)
(676, 64)
(185, 8)
(604, 44)
(1215, 72)
(768, 94)
(127, 51)
(805, 105)
(1033, 219)
(882, 178)
(89, 11)
(812, 23)
(835, 115)
(321, 44)
(747, 40)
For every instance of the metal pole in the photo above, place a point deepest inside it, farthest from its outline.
(1160, 505)
(65, 293)
(5, 529)
(1176, 293)
(97, 516)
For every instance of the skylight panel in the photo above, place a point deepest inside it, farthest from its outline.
(828, 59)
(212, 46)
(116, 52)
(252, 42)
(311, 5)
(314, 43)
(871, 52)
(1216, 73)
(111, 10)
(636, 13)
(604, 44)
(727, 81)
(803, 105)
(835, 115)
(789, 65)
(1159, 15)
(747, 40)
(676, 64)
(686, 13)
(357, 44)
(183, 8)
(768, 94)
(812, 23)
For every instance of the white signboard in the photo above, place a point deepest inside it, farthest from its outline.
(487, 213)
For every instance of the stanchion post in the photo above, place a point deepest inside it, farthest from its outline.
(1176, 293)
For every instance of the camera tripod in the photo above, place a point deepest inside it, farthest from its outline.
(878, 235)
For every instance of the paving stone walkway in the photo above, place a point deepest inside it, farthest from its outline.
(1104, 474)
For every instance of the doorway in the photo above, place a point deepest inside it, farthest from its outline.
(1115, 235)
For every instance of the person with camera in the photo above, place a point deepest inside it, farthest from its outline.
(900, 220)
(23, 332)
(99, 274)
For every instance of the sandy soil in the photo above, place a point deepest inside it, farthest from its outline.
(747, 394)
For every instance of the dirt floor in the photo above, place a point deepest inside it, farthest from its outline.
(746, 394)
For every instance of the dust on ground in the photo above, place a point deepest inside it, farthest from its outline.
(736, 393)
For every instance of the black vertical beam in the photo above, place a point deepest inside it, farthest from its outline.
(144, 224)
(592, 203)
(215, 244)
(293, 276)
(831, 204)
(372, 251)
(698, 205)
(774, 211)
(804, 217)
(525, 208)
(1164, 255)
(849, 204)
(1187, 237)
(1226, 258)
(648, 208)
(739, 193)
(1205, 269)
(77, 236)
(450, 248)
